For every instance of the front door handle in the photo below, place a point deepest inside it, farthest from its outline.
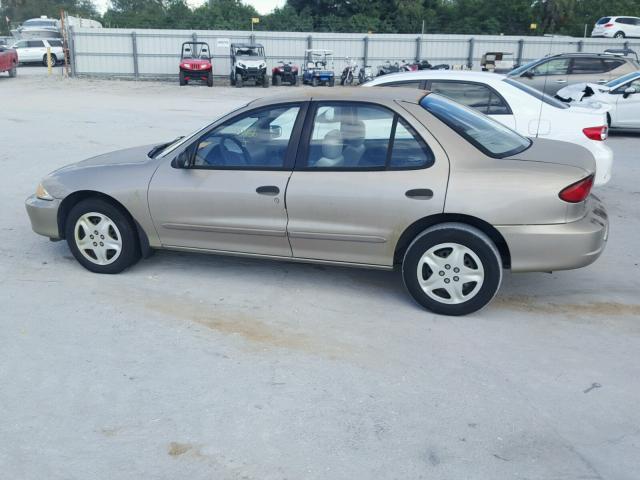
(561, 81)
(270, 190)
(420, 193)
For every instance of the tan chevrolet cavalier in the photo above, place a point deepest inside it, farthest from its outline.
(376, 177)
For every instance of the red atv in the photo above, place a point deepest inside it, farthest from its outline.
(195, 63)
(285, 72)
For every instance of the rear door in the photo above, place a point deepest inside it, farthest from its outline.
(363, 174)
(588, 70)
(477, 96)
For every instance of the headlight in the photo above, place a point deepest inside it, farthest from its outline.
(262, 65)
(42, 193)
(187, 65)
(241, 65)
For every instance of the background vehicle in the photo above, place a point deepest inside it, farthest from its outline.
(550, 74)
(349, 72)
(365, 74)
(35, 51)
(318, 68)
(195, 63)
(37, 28)
(425, 191)
(497, 62)
(8, 61)
(617, 27)
(621, 94)
(285, 72)
(248, 63)
(522, 108)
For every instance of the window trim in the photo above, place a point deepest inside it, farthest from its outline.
(305, 141)
(292, 147)
(403, 84)
(491, 89)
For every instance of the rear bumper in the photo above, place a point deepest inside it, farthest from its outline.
(545, 248)
(604, 161)
(43, 215)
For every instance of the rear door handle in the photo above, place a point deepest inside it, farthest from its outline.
(420, 194)
(270, 190)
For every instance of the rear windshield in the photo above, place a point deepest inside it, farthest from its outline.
(537, 94)
(487, 135)
(603, 20)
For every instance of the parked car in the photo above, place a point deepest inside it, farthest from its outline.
(8, 61)
(35, 51)
(550, 74)
(248, 64)
(522, 108)
(195, 63)
(617, 27)
(621, 94)
(361, 177)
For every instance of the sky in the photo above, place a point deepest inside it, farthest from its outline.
(262, 6)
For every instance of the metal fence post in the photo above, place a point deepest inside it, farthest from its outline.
(418, 49)
(134, 49)
(365, 56)
(580, 45)
(470, 57)
(309, 42)
(194, 36)
(252, 39)
(520, 52)
(72, 51)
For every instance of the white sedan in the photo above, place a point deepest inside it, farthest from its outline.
(621, 94)
(518, 106)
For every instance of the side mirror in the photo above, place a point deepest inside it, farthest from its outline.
(629, 91)
(182, 160)
(275, 131)
(528, 74)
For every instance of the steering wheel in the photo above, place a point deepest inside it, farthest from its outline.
(227, 158)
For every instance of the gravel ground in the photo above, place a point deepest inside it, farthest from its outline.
(193, 366)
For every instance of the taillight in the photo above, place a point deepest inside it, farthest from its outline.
(577, 192)
(608, 25)
(596, 133)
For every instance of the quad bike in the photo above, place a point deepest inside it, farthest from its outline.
(195, 63)
(248, 64)
(284, 72)
(348, 74)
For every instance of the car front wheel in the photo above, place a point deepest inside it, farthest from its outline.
(452, 269)
(619, 35)
(101, 237)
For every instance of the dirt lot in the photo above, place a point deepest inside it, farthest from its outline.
(192, 366)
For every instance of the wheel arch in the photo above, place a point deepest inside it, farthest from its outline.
(74, 198)
(422, 224)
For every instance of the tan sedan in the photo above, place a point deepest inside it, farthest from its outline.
(377, 177)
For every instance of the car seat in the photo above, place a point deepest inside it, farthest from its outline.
(332, 146)
(353, 134)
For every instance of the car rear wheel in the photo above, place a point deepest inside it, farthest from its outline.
(101, 237)
(619, 35)
(452, 269)
(54, 60)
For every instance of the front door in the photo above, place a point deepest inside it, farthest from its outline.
(549, 76)
(362, 176)
(231, 196)
(627, 109)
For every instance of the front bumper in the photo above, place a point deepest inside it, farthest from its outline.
(565, 246)
(44, 216)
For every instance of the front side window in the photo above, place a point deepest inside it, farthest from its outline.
(255, 140)
(586, 65)
(22, 44)
(487, 135)
(473, 95)
(556, 66)
(35, 43)
(355, 136)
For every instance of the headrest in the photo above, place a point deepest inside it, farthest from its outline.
(353, 132)
(332, 144)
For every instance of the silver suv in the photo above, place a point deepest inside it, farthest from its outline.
(550, 74)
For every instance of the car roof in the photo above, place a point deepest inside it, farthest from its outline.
(373, 94)
(484, 77)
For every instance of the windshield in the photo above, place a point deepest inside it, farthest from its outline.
(620, 80)
(487, 135)
(537, 94)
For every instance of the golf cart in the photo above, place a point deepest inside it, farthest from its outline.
(285, 72)
(195, 63)
(318, 68)
(248, 63)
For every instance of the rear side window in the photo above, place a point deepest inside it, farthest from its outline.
(362, 136)
(55, 43)
(490, 137)
(603, 20)
(612, 64)
(407, 84)
(473, 95)
(35, 43)
(586, 65)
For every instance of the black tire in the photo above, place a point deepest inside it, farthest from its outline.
(342, 80)
(210, 79)
(296, 81)
(331, 82)
(130, 251)
(315, 82)
(265, 81)
(183, 80)
(44, 60)
(238, 80)
(471, 239)
(277, 80)
(13, 72)
(619, 34)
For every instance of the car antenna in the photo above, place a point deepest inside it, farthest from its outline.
(544, 88)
